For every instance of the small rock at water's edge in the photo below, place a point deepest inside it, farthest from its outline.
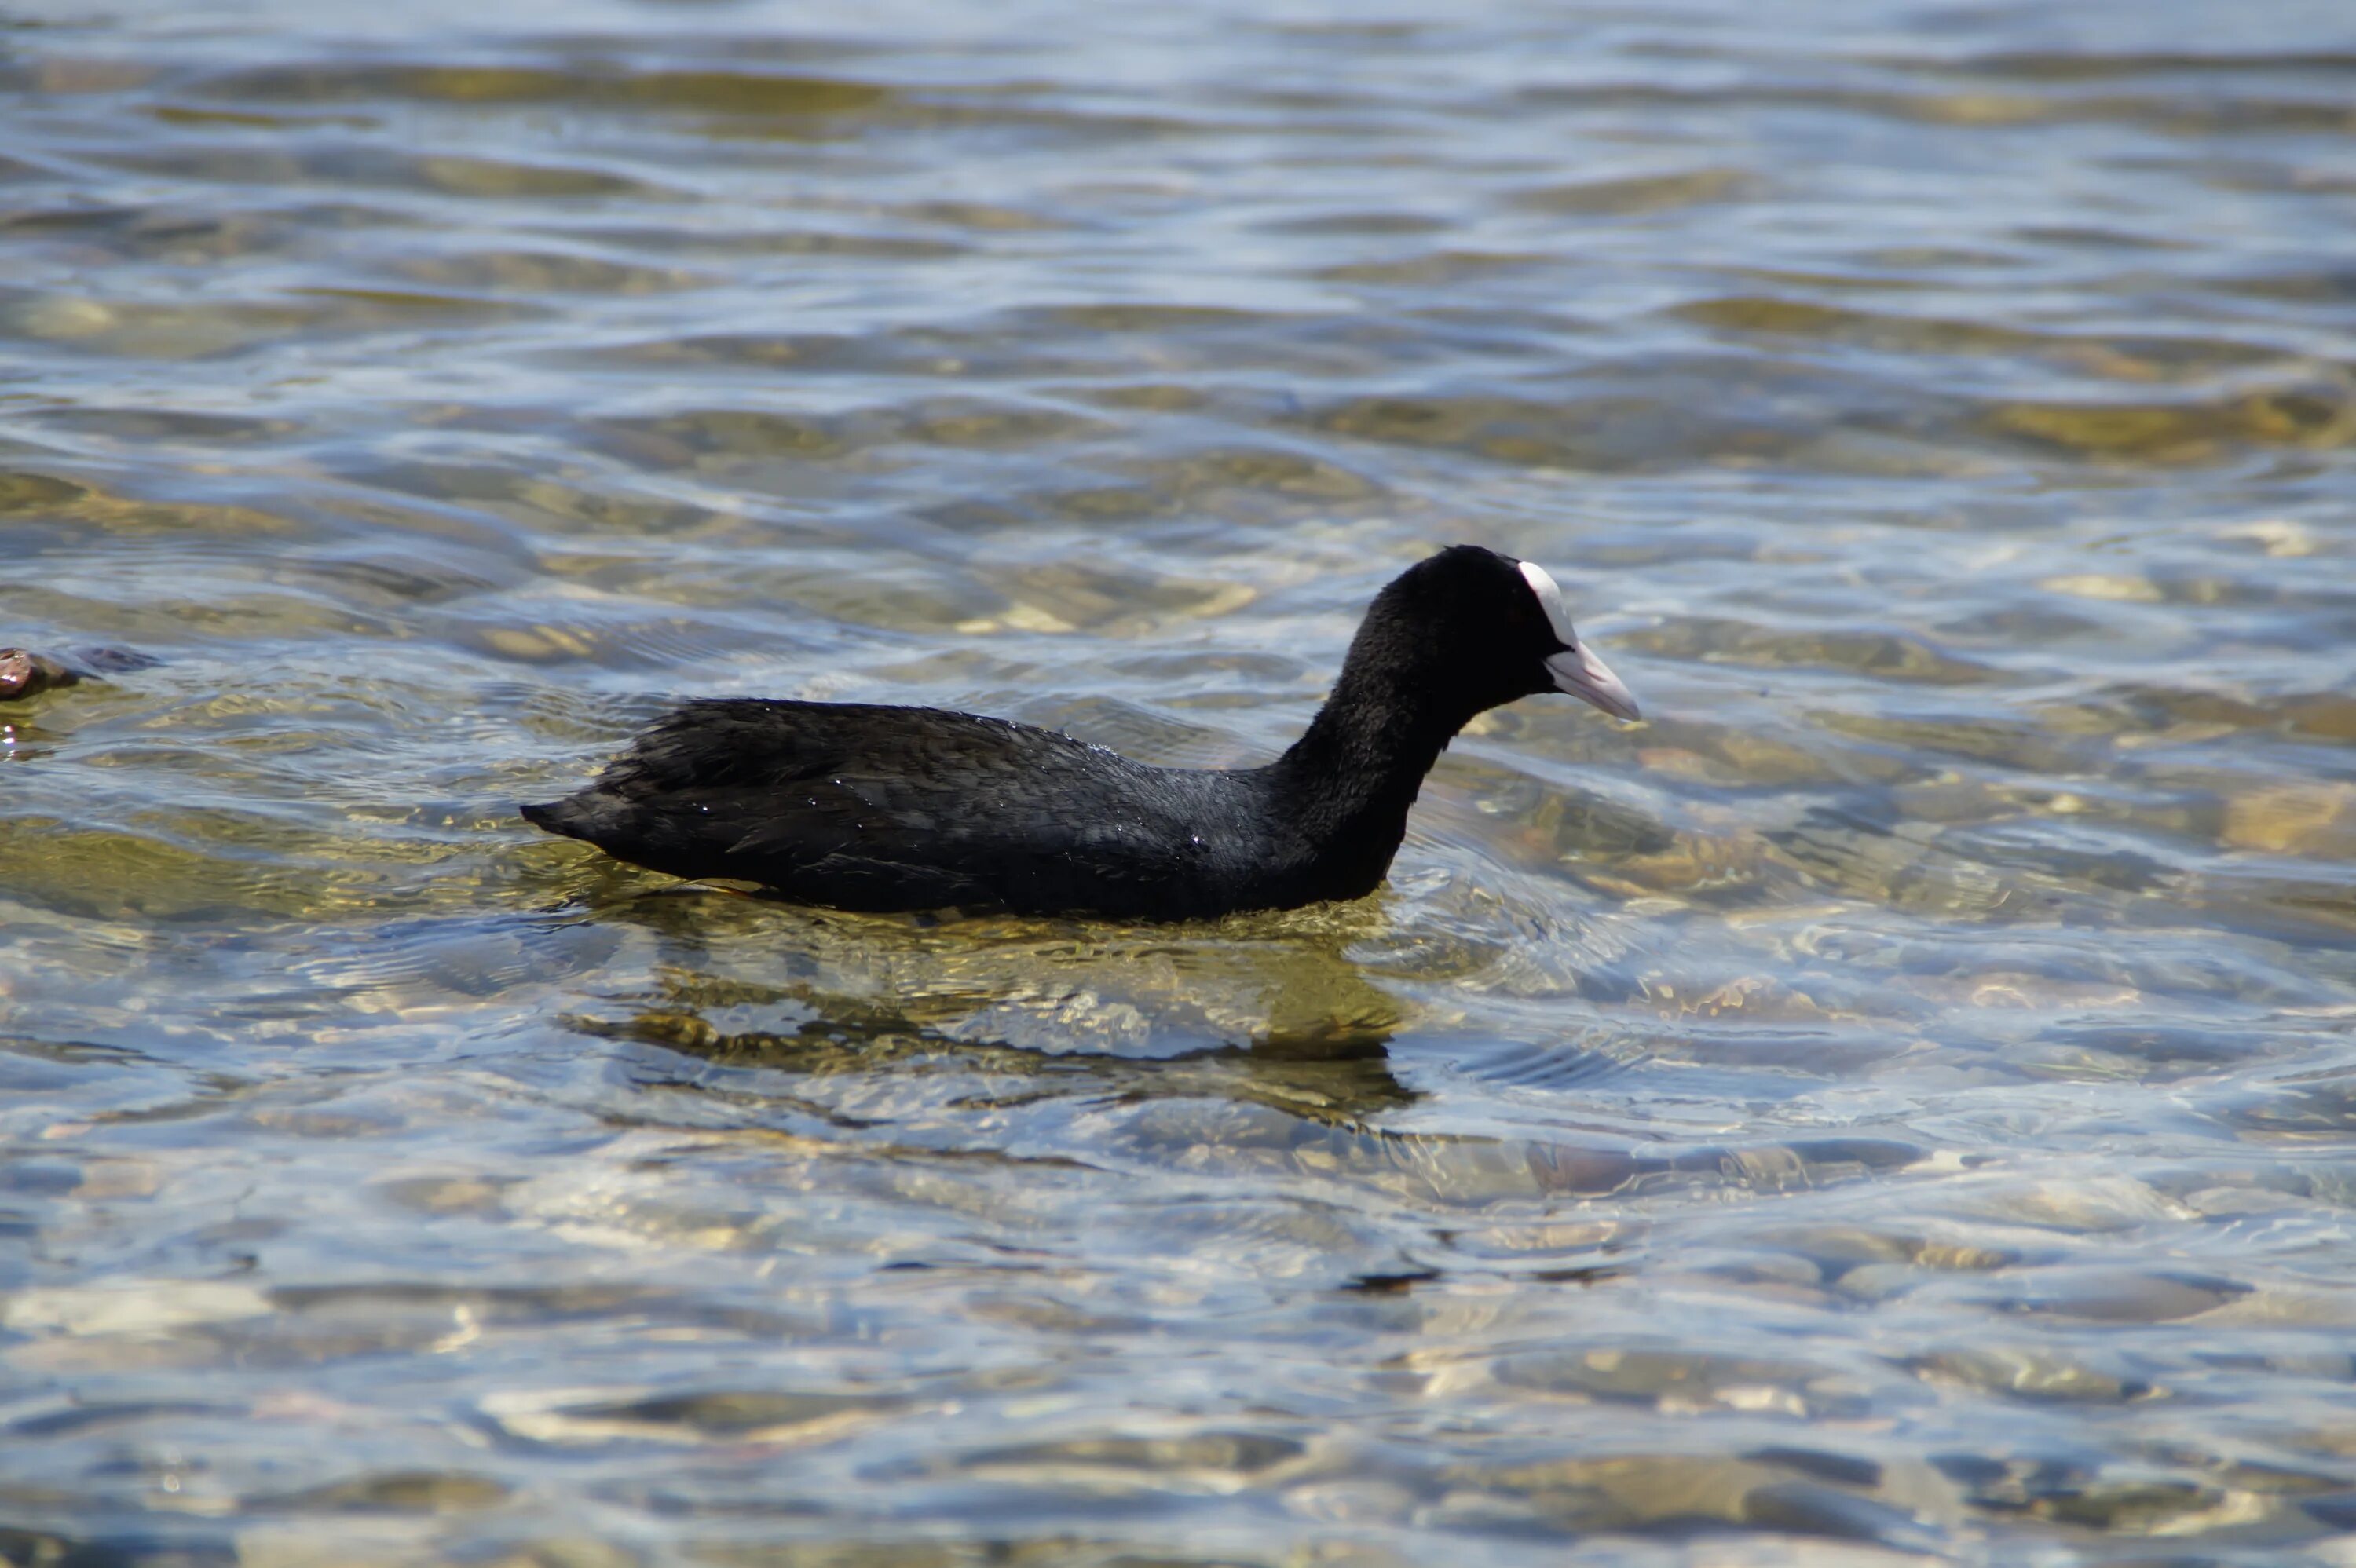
(23, 673)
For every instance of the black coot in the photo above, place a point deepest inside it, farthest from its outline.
(870, 807)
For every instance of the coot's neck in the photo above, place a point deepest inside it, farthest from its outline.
(1347, 784)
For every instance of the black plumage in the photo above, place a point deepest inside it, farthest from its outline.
(872, 807)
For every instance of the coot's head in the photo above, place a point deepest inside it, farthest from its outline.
(1486, 629)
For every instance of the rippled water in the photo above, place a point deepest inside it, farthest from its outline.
(1897, 1103)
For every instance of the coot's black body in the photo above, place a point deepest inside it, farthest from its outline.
(870, 807)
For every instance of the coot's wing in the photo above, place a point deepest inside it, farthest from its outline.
(876, 807)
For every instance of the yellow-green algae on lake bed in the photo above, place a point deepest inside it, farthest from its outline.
(1896, 1104)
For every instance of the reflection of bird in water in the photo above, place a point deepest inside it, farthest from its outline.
(1268, 1007)
(1339, 1076)
(872, 807)
(1251, 1045)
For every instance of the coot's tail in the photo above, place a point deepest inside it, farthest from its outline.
(574, 816)
(623, 830)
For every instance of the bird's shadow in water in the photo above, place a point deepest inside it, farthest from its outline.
(1264, 1010)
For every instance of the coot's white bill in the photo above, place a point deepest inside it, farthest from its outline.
(1575, 670)
(1581, 673)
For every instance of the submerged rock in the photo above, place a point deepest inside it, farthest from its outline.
(23, 673)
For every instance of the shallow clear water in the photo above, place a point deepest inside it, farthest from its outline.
(1897, 1103)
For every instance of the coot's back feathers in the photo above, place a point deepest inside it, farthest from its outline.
(870, 807)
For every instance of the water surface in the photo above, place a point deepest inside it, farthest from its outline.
(1894, 1104)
